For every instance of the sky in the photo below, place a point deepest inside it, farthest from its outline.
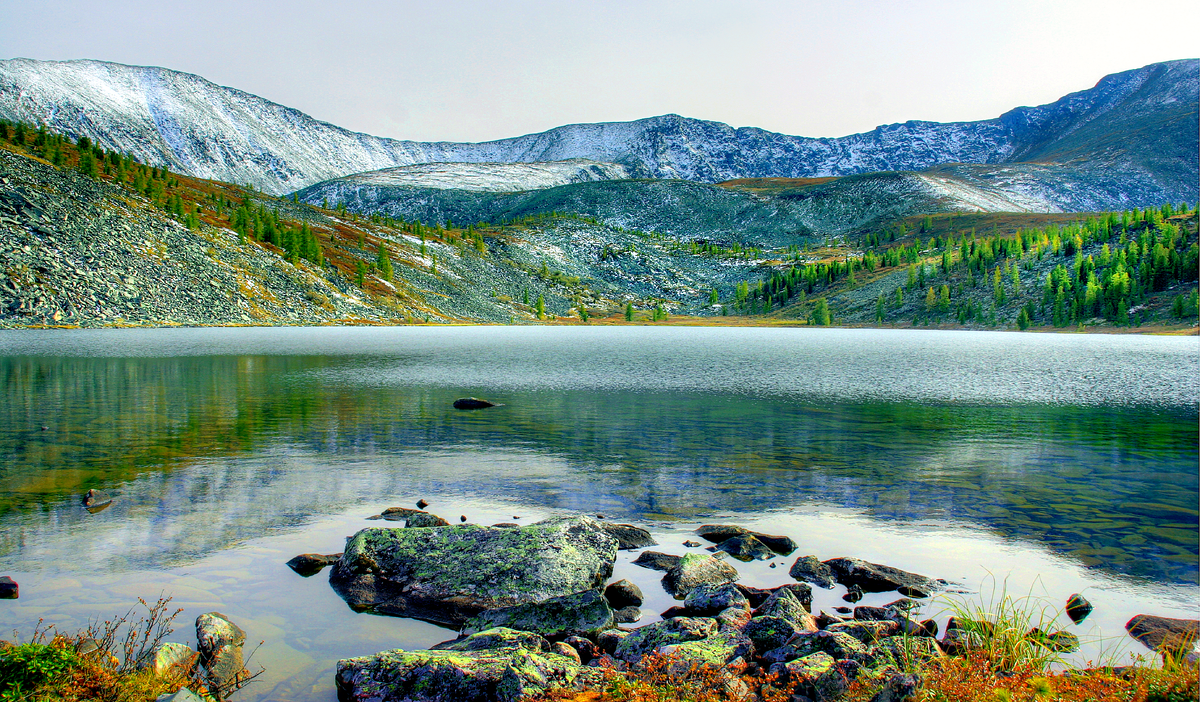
(474, 71)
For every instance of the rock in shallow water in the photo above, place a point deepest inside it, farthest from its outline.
(623, 593)
(694, 570)
(872, 577)
(220, 643)
(1078, 608)
(9, 590)
(581, 614)
(309, 564)
(472, 403)
(1165, 635)
(628, 536)
(449, 574)
(809, 569)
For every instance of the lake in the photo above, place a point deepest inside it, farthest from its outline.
(1045, 464)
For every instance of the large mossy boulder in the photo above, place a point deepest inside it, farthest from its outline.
(491, 666)
(449, 574)
(694, 570)
(581, 614)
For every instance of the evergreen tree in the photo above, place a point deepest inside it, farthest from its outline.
(880, 308)
(1023, 319)
(384, 262)
(360, 272)
(540, 307)
(821, 316)
(628, 311)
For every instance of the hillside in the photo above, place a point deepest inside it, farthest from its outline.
(90, 237)
(1141, 124)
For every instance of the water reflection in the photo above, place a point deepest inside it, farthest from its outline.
(207, 450)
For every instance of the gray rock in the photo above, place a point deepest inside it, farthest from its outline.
(309, 564)
(868, 632)
(580, 614)
(623, 593)
(627, 615)
(694, 570)
(496, 638)
(719, 533)
(838, 645)
(183, 695)
(872, 577)
(628, 536)
(769, 633)
(816, 676)
(503, 674)
(657, 561)
(220, 643)
(450, 574)
(168, 657)
(608, 640)
(746, 548)
(709, 599)
(809, 569)
(899, 687)
(647, 639)
(413, 518)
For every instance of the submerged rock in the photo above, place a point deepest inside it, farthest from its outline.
(872, 577)
(473, 403)
(413, 518)
(309, 564)
(694, 570)
(746, 548)
(9, 590)
(628, 615)
(450, 574)
(498, 669)
(1165, 635)
(581, 614)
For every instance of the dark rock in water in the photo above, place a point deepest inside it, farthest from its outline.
(506, 525)
(579, 614)
(746, 548)
(903, 604)
(825, 619)
(623, 593)
(657, 561)
(472, 403)
(755, 595)
(694, 570)
(876, 614)
(809, 569)
(505, 671)
(220, 646)
(414, 518)
(692, 544)
(842, 610)
(449, 575)
(584, 648)
(709, 599)
(627, 615)
(719, 533)
(309, 564)
(97, 501)
(1170, 637)
(872, 577)
(9, 590)
(628, 536)
(675, 611)
(422, 504)
(854, 593)
(930, 627)
(463, 519)
(1078, 608)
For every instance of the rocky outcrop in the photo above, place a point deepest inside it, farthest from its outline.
(581, 614)
(449, 574)
(491, 666)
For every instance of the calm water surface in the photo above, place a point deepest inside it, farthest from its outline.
(1052, 463)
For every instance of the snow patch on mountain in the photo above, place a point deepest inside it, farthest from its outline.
(490, 177)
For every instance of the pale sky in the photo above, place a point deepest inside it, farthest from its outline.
(474, 71)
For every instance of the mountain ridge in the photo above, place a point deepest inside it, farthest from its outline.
(182, 121)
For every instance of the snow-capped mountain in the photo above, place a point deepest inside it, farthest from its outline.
(490, 177)
(1143, 122)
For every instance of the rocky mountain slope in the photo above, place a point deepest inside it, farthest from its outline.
(1141, 123)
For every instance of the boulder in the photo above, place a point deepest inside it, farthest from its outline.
(907, 652)
(716, 651)
(755, 595)
(580, 614)
(627, 615)
(868, 632)
(9, 589)
(628, 536)
(872, 577)
(473, 403)
(854, 593)
(719, 533)
(898, 687)
(655, 560)
(1061, 641)
(647, 639)
(623, 593)
(809, 569)
(496, 638)
(838, 645)
(414, 518)
(566, 651)
(746, 548)
(449, 574)
(1078, 608)
(220, 643)
(709, 599)
(608, 640)
(768, 633)
(694, 570)
(1170, 637)
(309, 564)
(816, 676)
(170, 657)
(506, 673)
(784, 603)
(586, 649)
